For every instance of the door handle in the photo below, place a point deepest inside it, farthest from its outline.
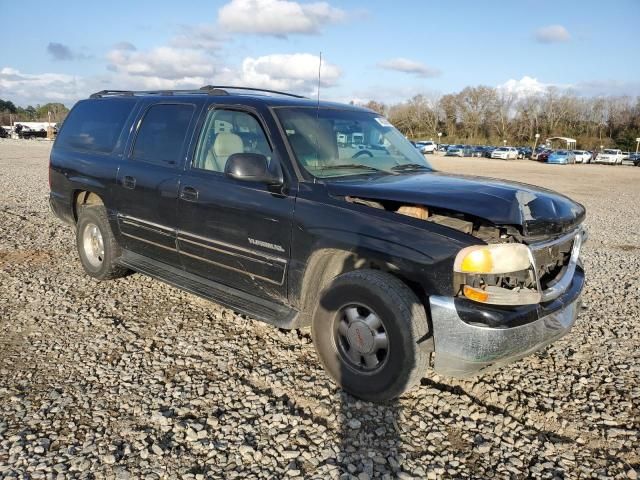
(129, 182)
(189, 194)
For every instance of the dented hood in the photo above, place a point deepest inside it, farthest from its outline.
(534, 210)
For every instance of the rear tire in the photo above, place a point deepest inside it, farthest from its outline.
(97, 247)
(366, 329)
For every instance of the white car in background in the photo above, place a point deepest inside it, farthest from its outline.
(426, 146)
(454, 151)
(582, 156)
(505, 153)
(610, 156)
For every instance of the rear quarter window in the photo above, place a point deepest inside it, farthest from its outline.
(95, 125)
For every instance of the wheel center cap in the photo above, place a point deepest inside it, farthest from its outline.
(360, 337)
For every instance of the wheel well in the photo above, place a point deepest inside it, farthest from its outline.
(326, 264)
(82, 197)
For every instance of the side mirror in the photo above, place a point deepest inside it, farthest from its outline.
(253, 167)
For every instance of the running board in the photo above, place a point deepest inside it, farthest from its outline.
(274, 313)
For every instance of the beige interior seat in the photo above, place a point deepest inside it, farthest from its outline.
(225, 145)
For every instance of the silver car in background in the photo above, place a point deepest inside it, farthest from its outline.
(582, 156)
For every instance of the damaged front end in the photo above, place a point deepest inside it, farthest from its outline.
(522, 264)
(514, 292)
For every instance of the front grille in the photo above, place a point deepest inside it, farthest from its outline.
(552, 258)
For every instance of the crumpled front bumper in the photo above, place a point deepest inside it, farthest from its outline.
(474, 345)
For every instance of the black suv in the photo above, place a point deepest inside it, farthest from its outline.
(304, 213)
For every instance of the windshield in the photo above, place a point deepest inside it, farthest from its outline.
(561, 152)
(611, 152)
(336, 143)
(502, 149)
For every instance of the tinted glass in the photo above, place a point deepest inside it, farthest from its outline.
(95, 125)
(162, 134)
(226, 132)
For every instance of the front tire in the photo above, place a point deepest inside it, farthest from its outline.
(366, 329)
(97, 247)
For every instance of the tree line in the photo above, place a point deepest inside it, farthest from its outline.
(475, 115)
(40, 113)
(486, 115)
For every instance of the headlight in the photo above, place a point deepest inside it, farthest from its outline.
(500, 274)
(499, 258)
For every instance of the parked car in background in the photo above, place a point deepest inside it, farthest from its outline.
(455, 151)
(544, 155)
(505, 153)
(426, 146)
(524, 152)
(478, 151)
(26, 132)
(488, 151)
(633, 160)
(582, 156)
(443, 147)
(562, 157)
(611, 156)
(3, 133)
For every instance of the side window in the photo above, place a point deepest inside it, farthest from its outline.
(95, 125)
(226, 132)
(162, 134)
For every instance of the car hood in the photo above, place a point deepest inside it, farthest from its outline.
(534, 210)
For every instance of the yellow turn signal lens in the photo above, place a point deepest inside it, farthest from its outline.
(475, 294)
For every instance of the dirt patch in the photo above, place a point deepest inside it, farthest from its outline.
(628, 248)
(19, 257)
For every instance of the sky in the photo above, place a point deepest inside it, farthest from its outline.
(371, 50)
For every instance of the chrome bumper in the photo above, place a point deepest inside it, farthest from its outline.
(463, 350)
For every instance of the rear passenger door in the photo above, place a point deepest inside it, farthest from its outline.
(234, 232)
(148, 178)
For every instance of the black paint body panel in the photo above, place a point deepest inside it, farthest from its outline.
(261, 241)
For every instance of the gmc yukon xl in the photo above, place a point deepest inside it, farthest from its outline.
(303, 213)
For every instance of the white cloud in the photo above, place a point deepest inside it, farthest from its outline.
(294, 72)
(24, 88)
(167, 63)
(413, 67)
(277, 17)
(528, 86)
(552, 34)
(524, 87)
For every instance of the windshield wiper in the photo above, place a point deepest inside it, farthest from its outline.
(350, 166)
(409, 167)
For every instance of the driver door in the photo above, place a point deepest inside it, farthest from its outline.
(230, 231)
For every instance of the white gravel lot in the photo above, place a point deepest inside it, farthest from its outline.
(136, 379)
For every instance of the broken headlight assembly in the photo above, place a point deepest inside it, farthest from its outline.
(498, 274)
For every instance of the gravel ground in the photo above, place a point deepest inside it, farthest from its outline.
(136, 379)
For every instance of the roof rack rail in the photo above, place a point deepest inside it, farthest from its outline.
(215, 88)
(206, 90)
(130, 93)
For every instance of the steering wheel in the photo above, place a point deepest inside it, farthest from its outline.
(362, 152)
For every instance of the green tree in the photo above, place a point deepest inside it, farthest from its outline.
(58, 112)
(7, 106)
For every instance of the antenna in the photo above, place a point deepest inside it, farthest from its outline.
(319, 70)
